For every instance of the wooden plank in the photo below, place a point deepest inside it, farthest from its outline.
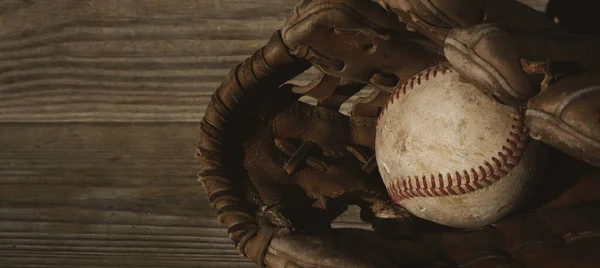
(106, 195)
(110, 194)
(121, 61)
(151, 63)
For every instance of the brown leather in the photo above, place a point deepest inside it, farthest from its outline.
(496, 59)
(263, 153)
(266, 157)
(561, 231)
(364, 43)
(460, 26)
(219, 172)
(553, 238)
(327, 171)
(567, 116)
(435, 18)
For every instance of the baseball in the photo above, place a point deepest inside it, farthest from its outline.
(452, 155)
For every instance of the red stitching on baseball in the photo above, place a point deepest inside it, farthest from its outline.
(414, 193)
(451, 191)
(479, 177)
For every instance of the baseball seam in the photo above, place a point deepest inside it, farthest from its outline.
(465, 181)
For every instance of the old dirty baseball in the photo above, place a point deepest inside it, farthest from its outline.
(452, 155)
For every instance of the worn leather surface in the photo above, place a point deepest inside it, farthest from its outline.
(435, 18)
(558, 226)
(567, 116)
(264, 154)
(557, 238)
(219, 149)
(493, 58)
(364, 43)
(496, 36)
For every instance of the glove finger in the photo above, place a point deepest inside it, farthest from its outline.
(340, 180)
(308, 123)
(342, 174)
(362, 131)
(433, 18)
(323, 182)
(330, 129)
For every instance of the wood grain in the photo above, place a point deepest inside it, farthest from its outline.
(91, 195)
(106, 194)
(122, 61)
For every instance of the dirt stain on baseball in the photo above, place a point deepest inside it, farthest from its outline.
(462, 124)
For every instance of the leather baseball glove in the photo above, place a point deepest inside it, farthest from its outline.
(520, 57)
(272, 164)
(279, 171)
